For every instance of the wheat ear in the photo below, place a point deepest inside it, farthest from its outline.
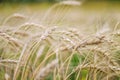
(11, 39)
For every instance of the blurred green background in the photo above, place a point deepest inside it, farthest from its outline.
(37, 9)
(29, 1)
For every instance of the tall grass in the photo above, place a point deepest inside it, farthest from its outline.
(32, 51)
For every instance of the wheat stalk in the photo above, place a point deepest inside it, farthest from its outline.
(8, 61)
(46, 70)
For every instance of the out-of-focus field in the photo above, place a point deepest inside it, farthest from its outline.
(60, 41)
(7, 9)
(87, 13)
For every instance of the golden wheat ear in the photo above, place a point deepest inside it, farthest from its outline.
(11, 39)
(14, 20)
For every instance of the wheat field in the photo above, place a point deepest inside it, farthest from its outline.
(59, 46)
